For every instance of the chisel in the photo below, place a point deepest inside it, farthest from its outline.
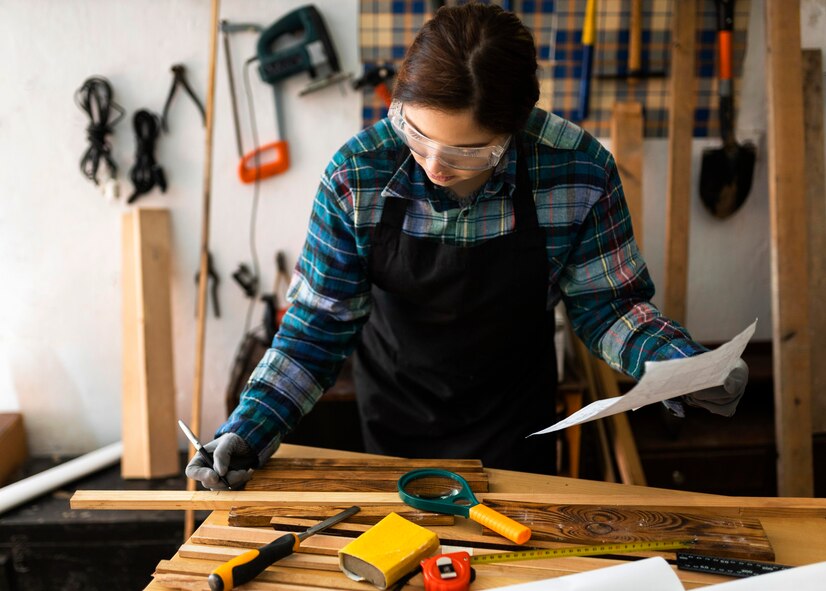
(249, 565)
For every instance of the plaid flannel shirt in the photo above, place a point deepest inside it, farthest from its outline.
(595, 266)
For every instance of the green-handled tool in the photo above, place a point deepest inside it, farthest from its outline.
(244, 568)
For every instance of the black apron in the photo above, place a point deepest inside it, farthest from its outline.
(457, 359)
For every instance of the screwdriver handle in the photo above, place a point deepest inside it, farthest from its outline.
(244, 568)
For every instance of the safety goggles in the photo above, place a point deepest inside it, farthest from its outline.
(481, 158)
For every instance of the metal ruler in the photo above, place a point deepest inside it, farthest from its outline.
(580, 551)
(732, 567)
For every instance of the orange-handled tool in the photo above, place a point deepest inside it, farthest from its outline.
(251, 167)
(440, 491)
(244, 568)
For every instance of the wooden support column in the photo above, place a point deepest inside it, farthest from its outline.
(789, 250)
(816, 202)
(680, 133)
(627, 147)
(150, 443)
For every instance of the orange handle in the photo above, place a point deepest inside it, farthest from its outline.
(280, 162)
(505, 526)
(725, 48)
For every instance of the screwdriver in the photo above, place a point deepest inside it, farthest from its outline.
(244, 568)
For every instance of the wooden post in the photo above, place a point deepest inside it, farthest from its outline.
(680, 133)
(789, 249)
(200, 335)
(816, 197)
(627, 147)
(150, 441)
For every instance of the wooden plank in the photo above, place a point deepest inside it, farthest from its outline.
(580, 525)
(296, 560)
(176, 500)
(13, 444)
(249, 537)
(262, 516)
(816, 202)
(342, 481)
(625, 448)
(789, 250)
(273, 574)
(627, 147)
(371, 463)
(150, 440)
(681, 94)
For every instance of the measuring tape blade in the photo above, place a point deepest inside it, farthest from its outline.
(580, 551)
(732, 567)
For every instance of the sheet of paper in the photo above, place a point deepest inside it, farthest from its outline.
(666, 379)
(650, 574)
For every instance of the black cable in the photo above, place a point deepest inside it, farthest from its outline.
(95, 98)
(146, 173)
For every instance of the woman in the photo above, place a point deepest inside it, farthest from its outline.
(439, 241)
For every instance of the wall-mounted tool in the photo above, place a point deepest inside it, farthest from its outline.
(179, 79)
(588, 37)
(226, 29)
(726, 173)
(377, 77)
(313, 52)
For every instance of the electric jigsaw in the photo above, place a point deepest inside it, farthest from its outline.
(310, 50)
(313, 52)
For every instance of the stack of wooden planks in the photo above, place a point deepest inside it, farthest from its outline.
(721, 526)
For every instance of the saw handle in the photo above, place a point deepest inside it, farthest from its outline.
(248, 172)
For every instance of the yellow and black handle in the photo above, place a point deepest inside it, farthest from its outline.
(249, 565)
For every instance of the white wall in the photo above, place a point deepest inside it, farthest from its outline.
(60, 337)
(60, 302)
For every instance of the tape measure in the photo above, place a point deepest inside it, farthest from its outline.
(453, 572)
(731, 567)
(581, 551)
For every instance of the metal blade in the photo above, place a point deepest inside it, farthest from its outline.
(328, 522)
(189, 435)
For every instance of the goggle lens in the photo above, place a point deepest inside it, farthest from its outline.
(454, 157)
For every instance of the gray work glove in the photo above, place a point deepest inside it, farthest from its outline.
(722, 400)
(233, 460)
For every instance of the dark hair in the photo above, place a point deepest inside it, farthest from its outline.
(477, 57)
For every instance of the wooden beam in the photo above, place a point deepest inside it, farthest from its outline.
(226, 500)
(150, 440)
(789, 250)
(627, 147)
(816, 202)
(625, 448)
(680, 133)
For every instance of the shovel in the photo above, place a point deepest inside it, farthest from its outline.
(726, 173)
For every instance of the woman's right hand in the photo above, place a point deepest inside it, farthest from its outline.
(232, 458)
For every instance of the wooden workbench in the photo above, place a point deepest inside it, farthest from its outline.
(796, 541)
